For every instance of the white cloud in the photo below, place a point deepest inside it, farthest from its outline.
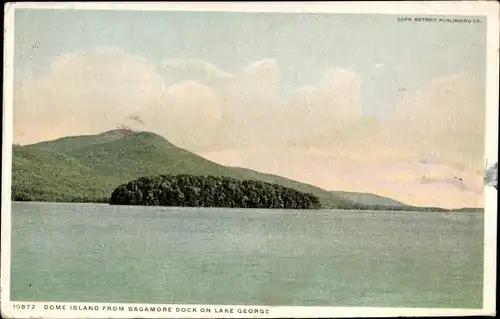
(84, 92)
(442, 121)
(445, 118)
(252, 105)
(249, 100)
(89, 92)
(187, 115)
(324, 109)
(199, 68)
(259, 83)
(263, 69)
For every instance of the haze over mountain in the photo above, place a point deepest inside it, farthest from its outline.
(361, 108)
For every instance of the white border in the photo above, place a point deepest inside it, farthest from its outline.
(491, 155)
(7, 131)
(470, 8)
(385, 7)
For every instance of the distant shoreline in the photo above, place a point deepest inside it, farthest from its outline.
(377, 208)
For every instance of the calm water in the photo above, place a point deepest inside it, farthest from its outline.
(101, 253)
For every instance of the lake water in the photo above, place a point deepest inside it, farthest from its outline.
(101, 253)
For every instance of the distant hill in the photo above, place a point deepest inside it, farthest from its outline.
(469, 210)
(368, 199)
(72, 143)
(89, 168)
(39, 175)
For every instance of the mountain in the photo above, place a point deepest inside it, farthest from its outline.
(53, 176)
(368, 199)
(89, 168)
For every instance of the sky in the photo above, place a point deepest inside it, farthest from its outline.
(342, 101)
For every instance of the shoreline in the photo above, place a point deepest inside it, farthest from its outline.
(409, 209)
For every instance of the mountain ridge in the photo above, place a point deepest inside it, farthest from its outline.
(88, 167)
(369, 198)
(101, 163)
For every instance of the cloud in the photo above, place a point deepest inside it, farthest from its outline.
(84, 92)
(252, 104)
(90, 92)
(248, 101)
(324, 109)
(320, 136)
(197, 68)
(258, 84)
(266, 70)
(187, 115)
(341, 91)
(445, 118)
(428, 152)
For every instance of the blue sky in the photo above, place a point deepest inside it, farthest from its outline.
(305, 45)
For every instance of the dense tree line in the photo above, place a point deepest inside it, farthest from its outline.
(210, 191)
(398, 208)
(30, 193)
(24, 196)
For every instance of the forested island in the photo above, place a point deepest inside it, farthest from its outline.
(210, 191)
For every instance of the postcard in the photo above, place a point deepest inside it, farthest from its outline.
(249, 160)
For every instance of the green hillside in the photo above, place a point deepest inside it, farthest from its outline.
(40, 175)
(70, 143)
(368, 199)
(88, 168)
